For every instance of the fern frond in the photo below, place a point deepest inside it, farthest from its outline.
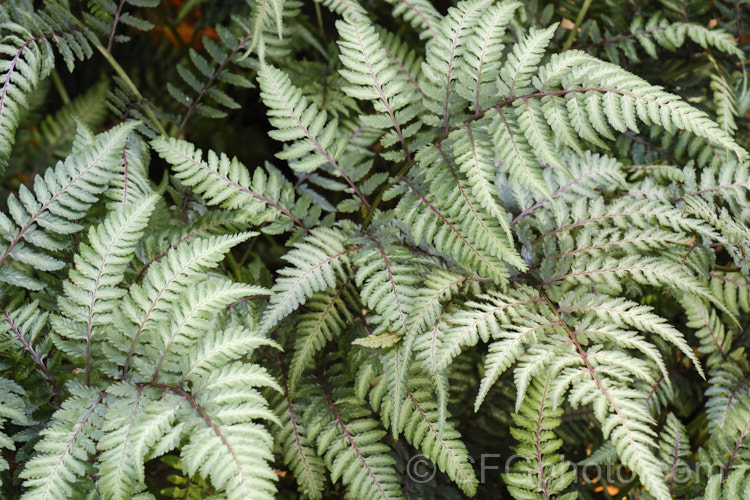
(480, 318)
(54, 138)
(726, 103)
(327, 315)
(227, 445)
(627, 314)
(43, 217)
(386, 277)
(134, 182)
(474, 156)
(674, 448)
(373, 76)
(61, 466)
(319, 262)
(312, 136)
(427, 220)
(347, 9)
(105, 16)
(622, 414)
(264, 13)
(226, 182)
(727, 385)
(658, 31)
(92, 293)
(204, 78)
(544, 471)
(591, 173)
(297, 449)
(14, 410)
(516, 153)
(155, 246)
(27, 58)
(148, 304)
(729, 448)
(441, 64)
(23, 338)
(421, 14)
(646, 271)
(419, 423)
(349, 440)
(460, 213)
(134, 420)
(169, 343)
(481, 59)
(522, 62)
(315, 141)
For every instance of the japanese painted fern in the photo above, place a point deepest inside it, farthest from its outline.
(479, 240)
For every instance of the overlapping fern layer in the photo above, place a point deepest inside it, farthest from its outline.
(478, 241)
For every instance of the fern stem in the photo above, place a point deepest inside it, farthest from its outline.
(57, 82)
(114, 26)
(579, 21)
(319, 17)
(131, 86)
(234, 266)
